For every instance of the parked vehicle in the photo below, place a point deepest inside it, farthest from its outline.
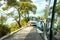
(40, 26)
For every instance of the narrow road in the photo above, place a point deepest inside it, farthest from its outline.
(28, 33)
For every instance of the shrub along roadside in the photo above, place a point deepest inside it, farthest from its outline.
(6, 29)
(58, 25)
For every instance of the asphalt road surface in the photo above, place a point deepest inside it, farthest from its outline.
(28, 33)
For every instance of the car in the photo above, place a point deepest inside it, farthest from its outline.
(40, 25)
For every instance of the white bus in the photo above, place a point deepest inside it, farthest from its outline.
(33, 21)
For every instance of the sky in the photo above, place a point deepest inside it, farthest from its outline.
(40, 4)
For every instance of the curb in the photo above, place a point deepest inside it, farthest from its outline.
(10, 33)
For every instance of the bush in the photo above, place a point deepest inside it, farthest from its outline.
(4, 29)
(14, 26)
(23, 23)
(59, 25)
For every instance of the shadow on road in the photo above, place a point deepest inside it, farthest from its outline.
(33, 35)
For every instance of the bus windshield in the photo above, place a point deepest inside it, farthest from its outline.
(33, 19)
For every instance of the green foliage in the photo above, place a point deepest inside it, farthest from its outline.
(26, 6)
(58, 2)
(24, 21)
(22, 6)
(38, 18)
(14, 26)
(9, 14)
(25, 0)
(5, 8)
(2, 19)
(16, 17)
(59, 25)
(11, 2)
(45, 13)
(4, 29)
(58, 9)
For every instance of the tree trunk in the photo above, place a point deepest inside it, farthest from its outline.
(19, 18)
(28, 16)
(19, 23)
(52, 20)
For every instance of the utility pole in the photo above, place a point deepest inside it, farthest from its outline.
(52, 20)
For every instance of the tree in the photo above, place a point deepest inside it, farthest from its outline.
(26, 7)
(22, 6)
(38, 18)
(57, 9)
(2, 20)
(45, 13)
